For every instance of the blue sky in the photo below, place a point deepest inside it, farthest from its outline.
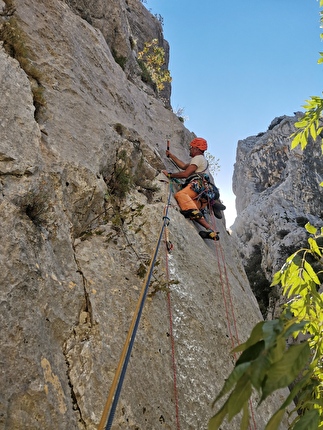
(236, 65)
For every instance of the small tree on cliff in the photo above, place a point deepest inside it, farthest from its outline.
(152, 58)
(265, 363)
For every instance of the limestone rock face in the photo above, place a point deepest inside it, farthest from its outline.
(277, 192)
(82, 205)
(126, 25)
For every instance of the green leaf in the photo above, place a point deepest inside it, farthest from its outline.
(251, 353)
(310, 228)
(270, 330)
(296, 141)
(309, 421)
(313, 131)
(273, 423)
(255, 336)
(277, 350)
(296, 389)
(245, 417)
(314, 246)
(258, 371)
(312, 274)
(302, 123)
(239, 396)
(217, 419)
(304, 139)
(234, 376)
(292, 283)
(283, 372)
(276, 278)
(296, 259)
(295, 327)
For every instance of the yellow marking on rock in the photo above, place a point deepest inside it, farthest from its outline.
(51, 378)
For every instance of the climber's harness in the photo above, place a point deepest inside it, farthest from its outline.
(201, 184)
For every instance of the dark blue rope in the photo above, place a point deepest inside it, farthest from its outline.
(127, 358)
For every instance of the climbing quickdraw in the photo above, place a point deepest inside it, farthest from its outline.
(169, 244)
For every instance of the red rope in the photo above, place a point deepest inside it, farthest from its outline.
(228, 303)
(169, 305)
(173, 359)
(226, 290)
(229, 310)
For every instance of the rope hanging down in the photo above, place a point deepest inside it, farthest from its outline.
(169, 248)
(115, 390)
(228, 305)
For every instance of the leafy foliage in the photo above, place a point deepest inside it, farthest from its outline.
(152, 58)
(214, 163)
(266, 364)
(179, 112)
(309, 124)
(122, 179)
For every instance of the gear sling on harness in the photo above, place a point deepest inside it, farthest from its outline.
(200, 184)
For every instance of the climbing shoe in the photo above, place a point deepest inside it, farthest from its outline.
(209, 234)
(218, 205)
(217, 208)
(192, 214)
(217, 213)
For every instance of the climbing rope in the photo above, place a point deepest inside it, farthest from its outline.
(226, 293)
(228, 303)
(115, 390)
(169, 248)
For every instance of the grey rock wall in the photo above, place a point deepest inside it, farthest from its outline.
(125, 25)
(277, 192)
(82, 205)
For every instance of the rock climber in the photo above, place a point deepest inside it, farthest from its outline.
(187, 197)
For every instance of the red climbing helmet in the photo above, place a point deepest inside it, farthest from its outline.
(199, 143)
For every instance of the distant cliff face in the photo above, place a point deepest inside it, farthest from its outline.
(277, 192)
(82, 144)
